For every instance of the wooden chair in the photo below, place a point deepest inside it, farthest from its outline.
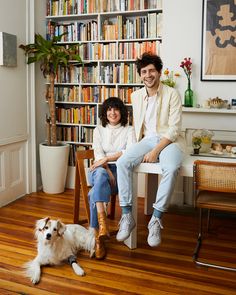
(82, 188)
(214, 188)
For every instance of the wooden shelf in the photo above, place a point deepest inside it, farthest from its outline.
(205, 110)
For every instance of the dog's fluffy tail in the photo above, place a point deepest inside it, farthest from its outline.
(32, 271)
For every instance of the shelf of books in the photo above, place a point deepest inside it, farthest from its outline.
(109, 36)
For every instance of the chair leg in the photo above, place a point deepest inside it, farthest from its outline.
(199, 239)
(112, 207)
(208, 219)
(197, 249)
(111, 214)
(76, 207)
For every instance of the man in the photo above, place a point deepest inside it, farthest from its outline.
(157, 113)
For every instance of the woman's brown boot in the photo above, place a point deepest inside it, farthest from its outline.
(103, 227)
(100, 250)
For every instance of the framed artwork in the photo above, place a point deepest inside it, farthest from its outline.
(218, 60)
(8, 50)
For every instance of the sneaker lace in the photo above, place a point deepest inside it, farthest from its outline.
(155, 226)
(124, 222)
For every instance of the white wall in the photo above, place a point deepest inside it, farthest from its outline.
(182, 38)
(13, 91)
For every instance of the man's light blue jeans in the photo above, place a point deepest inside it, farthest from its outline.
(100, 191)
(170, 160)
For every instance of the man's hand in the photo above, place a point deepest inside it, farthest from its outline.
(151, 157)
(99, 163)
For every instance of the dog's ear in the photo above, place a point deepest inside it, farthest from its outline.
(40, 224)
(60, 228)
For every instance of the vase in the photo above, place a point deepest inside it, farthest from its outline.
(188, 96)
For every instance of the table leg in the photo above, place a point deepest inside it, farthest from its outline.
(131, 242)
(151, 190)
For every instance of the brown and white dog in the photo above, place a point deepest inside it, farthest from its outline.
(58, 243)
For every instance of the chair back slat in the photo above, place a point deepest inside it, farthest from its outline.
(86, 154)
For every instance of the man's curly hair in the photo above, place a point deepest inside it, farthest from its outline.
(116, 103)
(147, 59)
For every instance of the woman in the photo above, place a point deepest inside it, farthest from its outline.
(110, 139)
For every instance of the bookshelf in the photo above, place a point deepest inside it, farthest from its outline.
(111, 35)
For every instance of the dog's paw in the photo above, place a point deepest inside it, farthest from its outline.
(34, 276)
(78, 270)
(35, 279)
(33, 271)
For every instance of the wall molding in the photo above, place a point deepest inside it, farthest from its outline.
(14, 139)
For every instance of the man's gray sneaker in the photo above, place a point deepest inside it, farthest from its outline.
(127, 224)
(154, 227)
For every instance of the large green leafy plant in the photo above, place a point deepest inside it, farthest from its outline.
(50, 54)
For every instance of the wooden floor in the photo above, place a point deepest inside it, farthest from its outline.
(167, 269)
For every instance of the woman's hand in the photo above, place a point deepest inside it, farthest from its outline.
(99, 163)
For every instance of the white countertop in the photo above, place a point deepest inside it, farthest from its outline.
(187, 165)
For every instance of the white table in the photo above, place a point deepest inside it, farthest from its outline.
(153, 169)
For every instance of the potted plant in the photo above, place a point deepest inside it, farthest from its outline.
(196, 142)
(51, 54)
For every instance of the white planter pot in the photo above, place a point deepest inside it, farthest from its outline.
(53, 165)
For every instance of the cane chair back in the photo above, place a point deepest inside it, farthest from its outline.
(218, 177)
(215, 176)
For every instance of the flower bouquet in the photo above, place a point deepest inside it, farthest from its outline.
(186, 65)
(170, 78)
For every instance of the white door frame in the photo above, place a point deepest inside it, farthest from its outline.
(18, 151)
(31, 174)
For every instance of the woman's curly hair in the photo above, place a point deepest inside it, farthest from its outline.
(116, 103)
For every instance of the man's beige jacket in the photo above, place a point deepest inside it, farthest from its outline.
(169, 114)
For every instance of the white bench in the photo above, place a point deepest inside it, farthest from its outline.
(153, 169)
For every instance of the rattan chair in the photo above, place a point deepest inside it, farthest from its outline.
(214, 189)
(82, 188)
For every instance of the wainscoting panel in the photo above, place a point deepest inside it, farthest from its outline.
(15, 162)
(2, 171)
(12, 172)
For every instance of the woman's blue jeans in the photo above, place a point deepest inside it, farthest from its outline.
(100, 191)
(170, 159)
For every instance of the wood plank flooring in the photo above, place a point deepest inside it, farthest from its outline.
(167, 269)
